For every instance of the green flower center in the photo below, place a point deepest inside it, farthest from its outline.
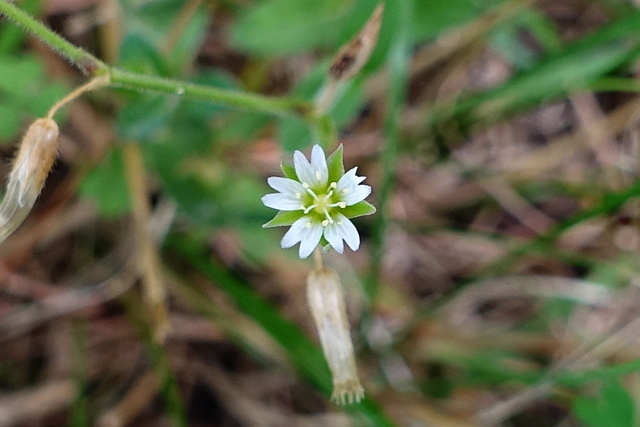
(321, 204)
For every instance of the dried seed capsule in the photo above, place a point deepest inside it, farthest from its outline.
(352, 57)
(325, 297)
(37, 152)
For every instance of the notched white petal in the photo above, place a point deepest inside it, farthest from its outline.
(349, 181)
(285, 185)
(326, 300)
(36, 155)
(310, 238)
(348, 231)
(295, 233)
(334, 237)
(319, 166)
(282, 202)
(357, 194)
(303, 168)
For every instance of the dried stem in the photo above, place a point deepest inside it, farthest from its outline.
(148, 259)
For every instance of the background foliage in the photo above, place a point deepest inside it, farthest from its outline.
(497, 284)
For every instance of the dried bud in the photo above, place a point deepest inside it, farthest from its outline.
(35, 158)
(352, 57)
(325, 297)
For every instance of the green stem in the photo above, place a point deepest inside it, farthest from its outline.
(90, 65)
(243, 100)
(82, 59)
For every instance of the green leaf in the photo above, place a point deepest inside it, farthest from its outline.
(284, 218)
(359, 209)
(612, 408)
(146, 117)
(434, 16)
(138, 54)
(9, 122)
(326, 133)
(278, 27)
(107, 187)
(20, 76)
(294, 134)
(189, 42)
(289, 170)
(572, 68)
(42, 101)
(336, 165)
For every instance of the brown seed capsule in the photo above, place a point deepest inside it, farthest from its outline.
(37, 152)
(326, 300)
(352, 57)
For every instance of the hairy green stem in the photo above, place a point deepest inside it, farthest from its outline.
(92, 66)
(82, 59)
(243, 100)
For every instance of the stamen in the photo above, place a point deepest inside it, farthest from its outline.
(302, 207)
(308, 225)
(308, 209)
(338, 204)
(345, 191)
(329, 194)
(333, 185)
(305, 185)
(340, 222)
(315, 196)
(326, 214)
(318, 175)
(325, 223)
(298, 195)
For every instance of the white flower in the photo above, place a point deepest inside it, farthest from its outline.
(317, 199)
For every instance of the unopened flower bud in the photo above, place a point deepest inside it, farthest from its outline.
(326, 299)
(36, 155)
(352, 57)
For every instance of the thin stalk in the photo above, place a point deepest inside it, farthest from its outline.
(242, 100)
(92, 84)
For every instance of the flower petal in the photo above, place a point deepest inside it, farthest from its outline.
(319, 166)
(285, 185)
(303, 168)
(310, 238)
(334, 237)
(282, 202)
(349, 181)
(295, 233)
(356, 195)
(347, 231)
